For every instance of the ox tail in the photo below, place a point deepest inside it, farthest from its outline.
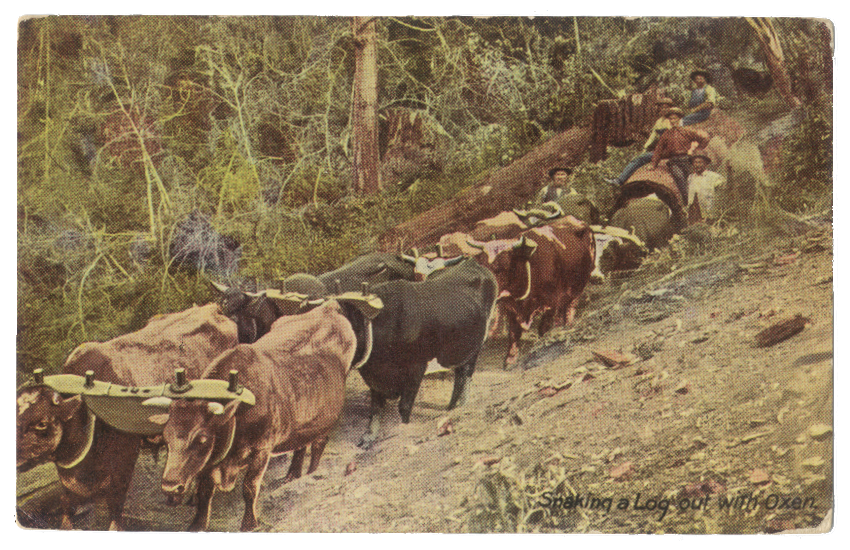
(368, 351)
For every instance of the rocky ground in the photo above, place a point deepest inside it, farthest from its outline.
(686, 427)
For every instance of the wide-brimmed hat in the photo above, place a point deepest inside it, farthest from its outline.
(559, 169)
(702, 72)
(700, 156)
(674, 111)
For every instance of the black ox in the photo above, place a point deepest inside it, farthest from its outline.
(444, 317)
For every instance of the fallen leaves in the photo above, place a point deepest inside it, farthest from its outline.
(759, 477)
(622, 472)
(612, 359)
(819, 432)
(444, 426)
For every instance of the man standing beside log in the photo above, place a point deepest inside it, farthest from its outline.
(676, 145)
(703, 183)
(560, 176)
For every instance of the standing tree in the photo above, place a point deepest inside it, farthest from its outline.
(775, 58)
(364, 109)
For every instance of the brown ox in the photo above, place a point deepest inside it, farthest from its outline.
(544, 271)
(51, 428)
(297, 373)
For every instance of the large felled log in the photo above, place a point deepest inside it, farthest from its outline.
(619, 122)
(502, 190)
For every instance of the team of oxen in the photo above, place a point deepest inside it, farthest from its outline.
(385, 315)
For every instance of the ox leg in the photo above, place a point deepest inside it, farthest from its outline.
(204, 493)
(251, 486)
(408, 394)
(68, 505)
(495, 323)
(377, 404)
(547, 320)
(462, 376)
(514, 335)
(296, 465)
(121, 478)
(316, 450)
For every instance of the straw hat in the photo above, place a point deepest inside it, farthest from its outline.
(702, 72)
(559, 169)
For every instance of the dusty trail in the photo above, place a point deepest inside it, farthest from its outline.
(701, 412)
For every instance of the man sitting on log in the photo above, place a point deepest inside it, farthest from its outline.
(659, 128)
(703, 98)
(676, 145)
(703, 183)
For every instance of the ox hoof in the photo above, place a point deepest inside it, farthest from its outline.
(249, 525)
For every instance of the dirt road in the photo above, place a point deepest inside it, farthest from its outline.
(699, 418)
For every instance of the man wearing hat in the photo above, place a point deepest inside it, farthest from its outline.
(703, 98)
(560, 176)
(676, 145)
(560, 199)
(661, 125)
(703, 183)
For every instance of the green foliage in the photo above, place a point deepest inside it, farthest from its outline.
(805, 182)
(127, 124)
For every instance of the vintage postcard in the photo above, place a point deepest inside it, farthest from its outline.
(425, 274)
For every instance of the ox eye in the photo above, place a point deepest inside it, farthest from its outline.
(41, 426)
(201, 440)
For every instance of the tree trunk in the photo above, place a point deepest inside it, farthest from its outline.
(774, 57)
(504, 189)
(364, 110)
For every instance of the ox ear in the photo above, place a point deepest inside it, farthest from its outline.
(69, 407)
(454, 261)
(408, 259)
(161, 419)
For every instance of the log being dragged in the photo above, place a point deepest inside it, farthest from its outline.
(504, 189)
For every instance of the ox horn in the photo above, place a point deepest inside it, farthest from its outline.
(408, 259)
(220, 287)
(528, 276)
(523, 242)
(159, 401)
(557, 213)
(475, 244)
(215, 407)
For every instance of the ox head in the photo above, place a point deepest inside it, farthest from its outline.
(252, 312)
(423, 266)
(41, 418)
(510, 262)
(198, 434)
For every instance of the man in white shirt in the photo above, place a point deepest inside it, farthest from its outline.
(704, 183)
